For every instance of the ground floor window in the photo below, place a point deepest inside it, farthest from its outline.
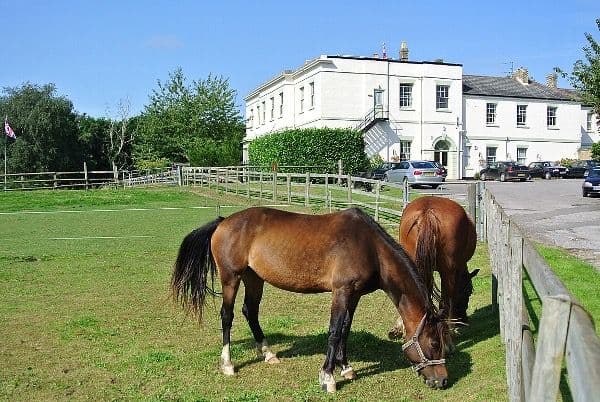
(521, 155)
(405, 150)
(490, 155)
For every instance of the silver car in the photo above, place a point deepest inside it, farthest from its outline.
(415, 173)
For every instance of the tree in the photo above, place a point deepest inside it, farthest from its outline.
(585, 77)
(46, 127)
(197, 123)
(120, 136)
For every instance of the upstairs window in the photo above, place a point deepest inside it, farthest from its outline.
(521, 115)
(551, 116)
(312, 94)
(258, 114)
(441, 96)
(589, 121)
(406, 95)
(280, 104)
(264, 112)
(490, 115)
(301, 99)
(272, 108)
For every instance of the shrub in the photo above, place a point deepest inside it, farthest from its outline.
(321, 147)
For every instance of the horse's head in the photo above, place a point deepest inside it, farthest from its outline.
(463, 291)
(425, 350)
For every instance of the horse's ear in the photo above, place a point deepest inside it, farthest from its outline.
(472, 274)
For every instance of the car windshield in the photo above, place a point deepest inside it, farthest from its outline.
(594, 172)
(423, 165)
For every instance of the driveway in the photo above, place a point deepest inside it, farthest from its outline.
(554, 213)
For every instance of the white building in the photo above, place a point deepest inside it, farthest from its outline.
(424, 110)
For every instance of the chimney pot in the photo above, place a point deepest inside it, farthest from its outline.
(403, 51)
(551, 80)
(521, 75)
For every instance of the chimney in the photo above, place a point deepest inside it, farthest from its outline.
(383, 52)
(403, 51)
(551, 80)
(521, 75)
(375, 55)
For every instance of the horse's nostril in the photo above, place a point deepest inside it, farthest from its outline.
(444, 382)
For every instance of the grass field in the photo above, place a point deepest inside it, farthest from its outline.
(85, 314)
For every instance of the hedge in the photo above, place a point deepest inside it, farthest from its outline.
(311, 147)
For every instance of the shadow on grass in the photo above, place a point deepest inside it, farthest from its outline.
(386, 355)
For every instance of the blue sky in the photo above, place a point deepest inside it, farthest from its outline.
(98, 52)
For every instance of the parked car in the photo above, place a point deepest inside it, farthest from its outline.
(579, 169)
(441, 167)
(415, 173)
(546, 170)
(504, 171)
(591, 184)
(379, 172)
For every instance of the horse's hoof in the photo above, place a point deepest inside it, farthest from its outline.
(227, 369)
(272, 358)
(348, 373)
(327, 382)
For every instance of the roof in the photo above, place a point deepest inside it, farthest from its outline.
(511, 88)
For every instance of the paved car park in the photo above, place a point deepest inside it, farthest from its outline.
(555, 213)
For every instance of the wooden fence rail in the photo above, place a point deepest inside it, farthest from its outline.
(566, 331)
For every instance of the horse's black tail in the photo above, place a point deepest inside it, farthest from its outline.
(426, 253)
(193, 264)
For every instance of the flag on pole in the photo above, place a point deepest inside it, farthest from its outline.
(8, 130)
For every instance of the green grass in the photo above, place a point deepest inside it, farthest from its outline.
(85, 314)
(581, 278)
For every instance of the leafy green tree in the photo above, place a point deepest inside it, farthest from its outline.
(92, 136)
(585, 77)
(196, 123)
(596, 151)
(46, 128)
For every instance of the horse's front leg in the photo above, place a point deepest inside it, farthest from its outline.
(230, 289)
(341, 355)
(342, 310)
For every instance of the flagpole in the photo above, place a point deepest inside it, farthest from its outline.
(5, 141)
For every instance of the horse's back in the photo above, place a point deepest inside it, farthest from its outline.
(292, 251)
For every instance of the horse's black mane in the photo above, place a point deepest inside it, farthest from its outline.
(401, 253)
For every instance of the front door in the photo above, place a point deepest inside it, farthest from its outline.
(440, 153)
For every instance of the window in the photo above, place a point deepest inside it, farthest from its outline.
(405, 150)
(264, 111)
(551, 116)
(251, 118)
(312, 94)
(588, 126)
(258, 114)
(441, 96)
(406, 95)
(301, 99)
(490, 115)
(490, 155)
(521, 115)
(272, 108)
(280, 104)
(521, 155)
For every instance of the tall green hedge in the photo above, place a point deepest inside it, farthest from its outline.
(311, 147)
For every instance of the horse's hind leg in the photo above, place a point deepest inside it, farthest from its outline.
(341, 356)
(253, 289)
(230, 284)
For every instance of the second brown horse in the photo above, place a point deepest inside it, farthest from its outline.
(438, 235)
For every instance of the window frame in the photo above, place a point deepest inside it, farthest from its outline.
(551, 117)
(280, 104)
(442, 96)
(490, 115)
(302, 99)
(522, 155)
(272, 108)
(405, 149)
(521, 115)
(311, 86)
(489, 158)
(405, 96)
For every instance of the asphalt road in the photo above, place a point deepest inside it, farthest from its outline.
(553, 212)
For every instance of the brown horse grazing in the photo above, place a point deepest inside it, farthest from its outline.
(438, 235)
(346, 253)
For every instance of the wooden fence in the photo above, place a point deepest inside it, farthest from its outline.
(328, 191)
(565, 333)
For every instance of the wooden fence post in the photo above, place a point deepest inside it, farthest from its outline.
(550, 349)
(274, 185)
(377, 200)
(349, 184)
(307, 190)
(472, 201)
(85, 174)
(288, 184)
(514, 303)
(340, 172)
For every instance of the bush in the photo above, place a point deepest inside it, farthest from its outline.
(311, 147)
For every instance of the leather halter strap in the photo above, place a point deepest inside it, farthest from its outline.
(415, 341)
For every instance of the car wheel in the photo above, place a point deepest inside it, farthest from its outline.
(386, 178)
(529, 178)
(434, 186)
(547, 175)
(585, 194)
(502, 177)
(482, 177)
